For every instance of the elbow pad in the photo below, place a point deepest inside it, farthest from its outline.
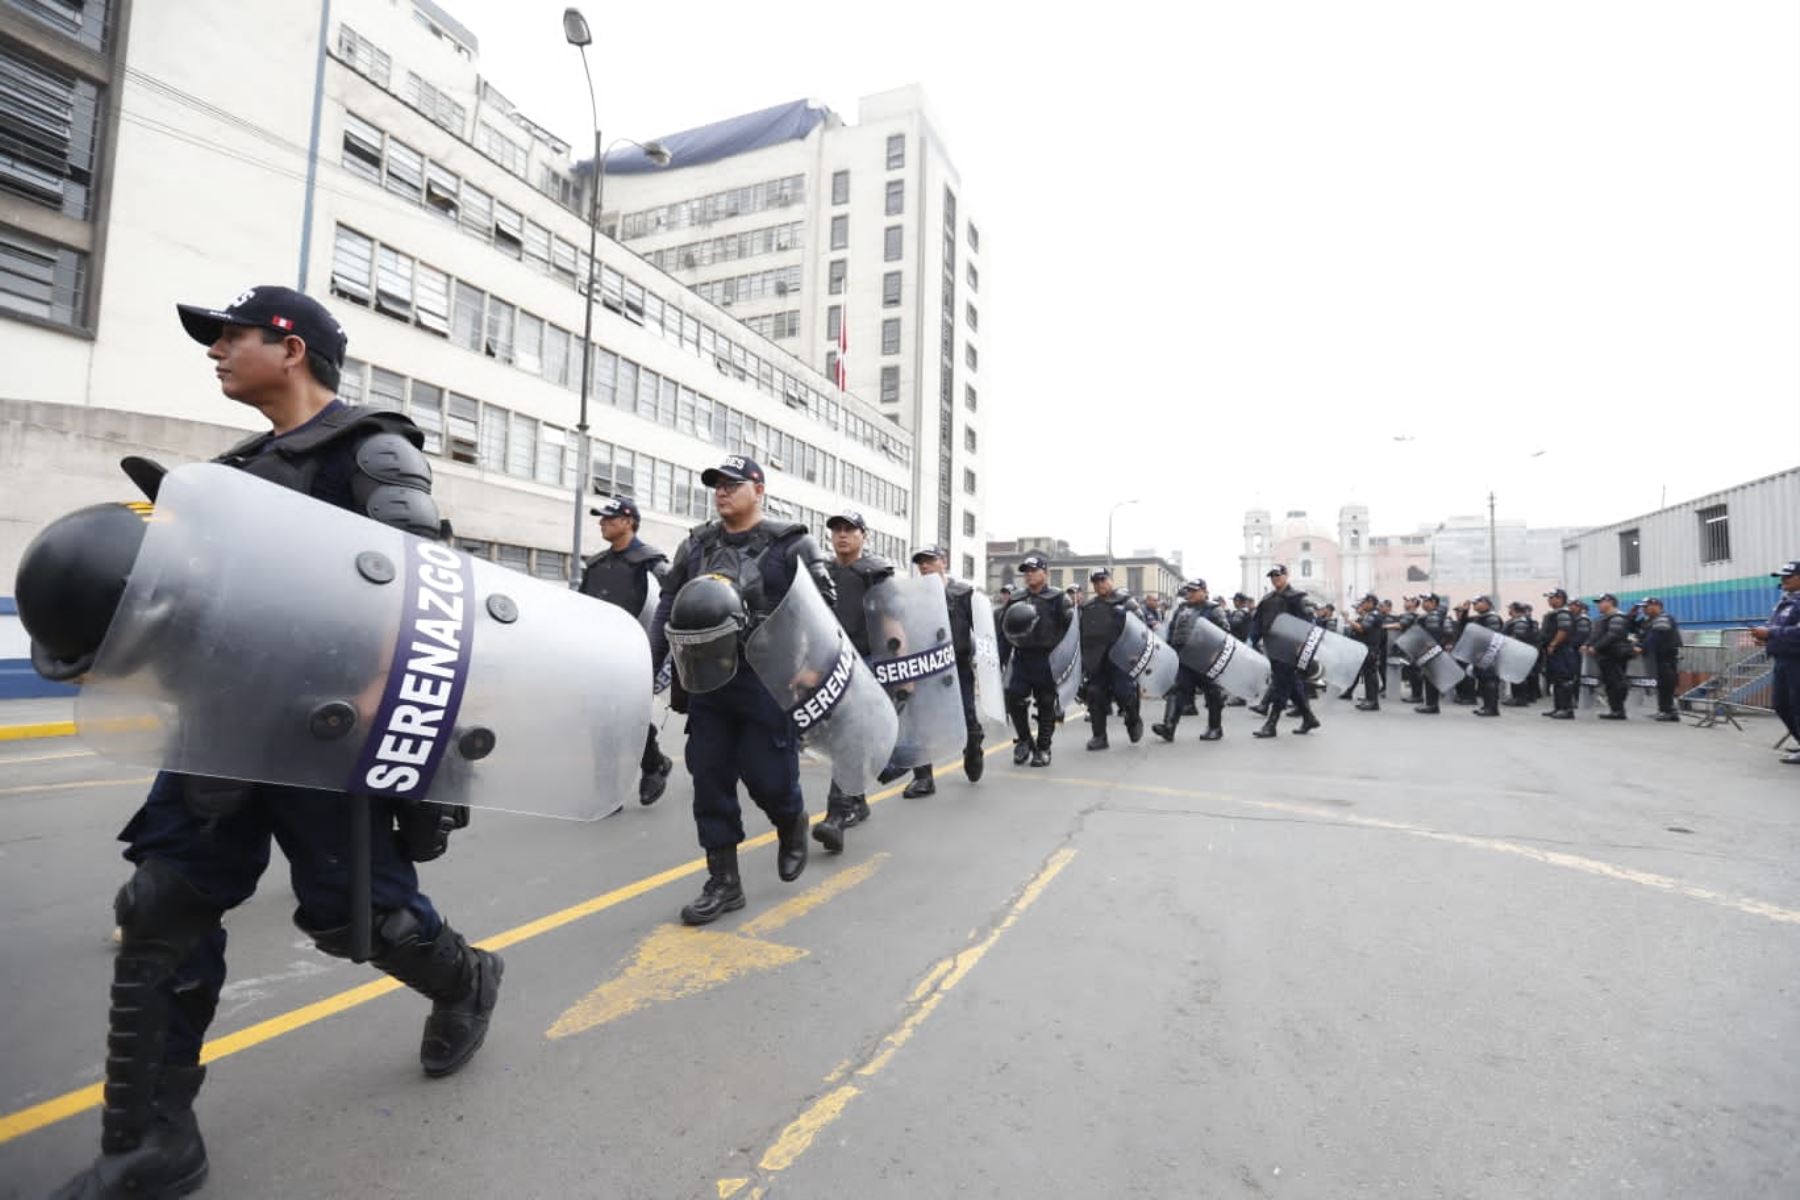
(392, 484)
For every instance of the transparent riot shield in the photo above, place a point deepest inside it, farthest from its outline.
(1431, 660)
(269, 637)
(811, 668)
(1065, 663)
(1301, 644)
(990, 692)
(1215, 655)
(1486, 649)
(652, 597)
(914, 658)
(1146, 658)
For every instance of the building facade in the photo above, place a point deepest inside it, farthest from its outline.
(363, 157)
(1708, 559)
(1142, 572)
(854, 246)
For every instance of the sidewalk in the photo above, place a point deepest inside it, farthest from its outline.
(21, 719)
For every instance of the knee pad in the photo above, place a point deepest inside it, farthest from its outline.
(158, 906)
(388, 928)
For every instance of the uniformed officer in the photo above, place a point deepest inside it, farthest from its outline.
(1196, 605)
(1241, 621)
(1369, 627)
(1612, 649)
(1405, 620)
(1660, 644)
(1781, 637)
(1034, 621)
(1436, 625)
(1283, 597)
(1106, 683)
(1562, 655)
(621, 575)
(1386, 609)
(200, 845)
(1002, 648)
(957, 594)
(1520, 627)
(736, 731)
(1487, 679)
(854, 572)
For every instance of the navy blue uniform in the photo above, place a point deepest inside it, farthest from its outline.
(1784, 652)
(1288, 686)
(1029, 676)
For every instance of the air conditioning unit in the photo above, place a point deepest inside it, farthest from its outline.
(781, 288)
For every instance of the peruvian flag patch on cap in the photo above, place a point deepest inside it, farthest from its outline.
(281, 322)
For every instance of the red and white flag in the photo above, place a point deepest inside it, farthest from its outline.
(843, 354)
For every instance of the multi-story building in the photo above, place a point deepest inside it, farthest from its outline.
(369, 162)
(850, 243)
(1141, 572)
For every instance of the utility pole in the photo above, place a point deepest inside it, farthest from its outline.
(1493, 555)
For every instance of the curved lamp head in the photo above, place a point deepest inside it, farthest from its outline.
(575, 28)
(656, 152)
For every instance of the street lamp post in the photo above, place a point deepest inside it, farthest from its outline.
(1111, 513)
(576, 32)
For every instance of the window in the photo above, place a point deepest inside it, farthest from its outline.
(1715, 534)
(836, 285)
(350, 381)
(352, 266)
(440, 191)
(896, 197)
(469, 317)
(1056, 577)
(890, 336)
(537, 247)
(514, 558)
(890, 290)
(968, 566)
(968, 524)
(831, 368)
(840, 232)
(405, 171)
(460, 438)
(493, 439)
(1306, 568)
(501, 149)
(548, 564)
(840, 187)
(363, 56)
(896, 151)
(893, 244)
(1306, 545)
(528, 348)
(968, 481)
(1628, 552)
(521, 449)
(969, 396)
(427, 412)
(509, 230)
(969, 438)
(362, 148)
(84, 21)
(974, 240)
(431, 299)
(970, 358)
(834, 322)
(442, 110)
(558, 368)
(393, 283)
(890, 385)
(386, 390)
(500, 330)
(974, 278)
(550, 455)
(973, 317)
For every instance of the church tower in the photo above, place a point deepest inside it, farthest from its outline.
(1259, 552)
(1355, 554)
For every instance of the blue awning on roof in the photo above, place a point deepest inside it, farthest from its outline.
(723, 139)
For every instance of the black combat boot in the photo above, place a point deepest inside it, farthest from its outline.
(1269, 725)
(654, 781)
(974, 761)
(1098, 741)
(1134, 723)
(462, 982)
(1215, 715)
(167, 1158)
(1369, 705)
(721, 893)
(1165, 729)
(1488, 692)
(790, 841)
(923, 784)
(1308, 722)
(829, 832)
(1040, 755)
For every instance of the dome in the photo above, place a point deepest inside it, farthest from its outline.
(1297, 525)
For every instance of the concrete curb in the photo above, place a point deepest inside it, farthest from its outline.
(41, 729)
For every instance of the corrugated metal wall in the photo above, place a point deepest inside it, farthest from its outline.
(1765, 532)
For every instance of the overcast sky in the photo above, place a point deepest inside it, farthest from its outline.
(1232, 251)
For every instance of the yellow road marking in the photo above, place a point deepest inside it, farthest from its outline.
(69, 1104)
(675, 962)
(37, 729)
(135, 781)
(924, 1000)
(1554, 858)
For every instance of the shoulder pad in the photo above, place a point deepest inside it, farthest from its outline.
(872, 566)
(956, 587)
(776, 530)
(643, 552)
(353, 419)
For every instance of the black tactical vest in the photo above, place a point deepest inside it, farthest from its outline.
(622, 577)
(319, 458)
(762, 578)
(853, 583)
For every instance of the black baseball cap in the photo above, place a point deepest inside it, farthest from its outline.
(1277, 569)
(735, 466)
(1034, 562)
(269, 307)
(1239, 596)
(1606, 596)
(1651, 600)
(925, 552)
(1194, 584)
(1369, 598)
(1553, 592)
(1484, 598)
(617, 506)
(849, 519)
(1099, 573)
(1791, 567)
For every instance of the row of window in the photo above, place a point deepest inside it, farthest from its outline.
(781, 281)
(776, 326)
(379, 158)
(82, 21)
(704, 210)
(544, 564)
(752, 242)
(491, 438)
(41, 279)
(397, 285)
(1714, 531)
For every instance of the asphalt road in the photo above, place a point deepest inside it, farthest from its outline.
(1403, 956)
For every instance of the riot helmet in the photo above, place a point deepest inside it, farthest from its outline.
(706, 627)
(70, 581)
(1018, 623)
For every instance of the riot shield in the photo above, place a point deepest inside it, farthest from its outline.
(807, 661)
(914, 658)
(1484, 648)
(1301, 644)
(652, 597)
(1220, 658)
(269, 637)
(990, 692)
(1146, 658)
(1431, 659)
(1065, 663)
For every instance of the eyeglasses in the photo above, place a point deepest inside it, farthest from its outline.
(727, 486)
